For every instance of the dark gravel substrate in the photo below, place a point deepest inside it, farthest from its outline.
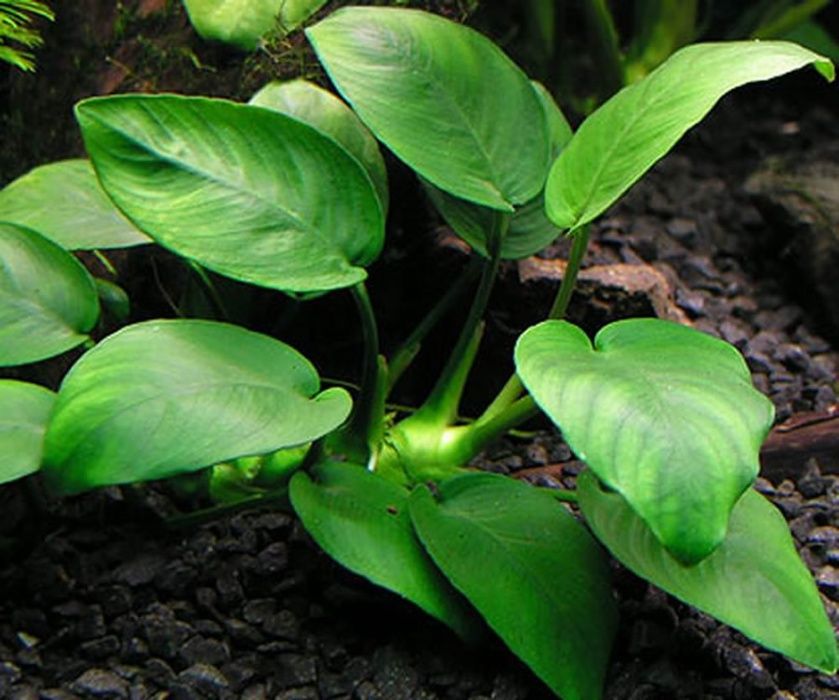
(100, 603)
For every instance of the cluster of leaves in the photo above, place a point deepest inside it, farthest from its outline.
(290, 193)
(15, 31)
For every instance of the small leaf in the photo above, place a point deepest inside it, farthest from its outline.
(442, 97)
(361, 520)
(165, 397)
(663, 414)
(245, 191)
(535, 574)
(64, 202)
(530, 229)
(48, 301)
(24, 411)
(321, 109)
(620, 141)
(754, 581)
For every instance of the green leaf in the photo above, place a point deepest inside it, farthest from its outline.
(243, 23)
(321, 109)
(24, 411)
(245, 191)
(442, 97)
(64, 202)
(816, 38)
(662, 413)
(165, 397)
(48, 301)
(754, 581)
(361, 520)
(536, 575)
(530, 229)
(619, 142)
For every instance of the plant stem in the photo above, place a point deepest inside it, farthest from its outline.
(569, 279)
(441, 406)
(106, 263)
(366, 423)
(405, 354)
(215, 297)
(513, 389)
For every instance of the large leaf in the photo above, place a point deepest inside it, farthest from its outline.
(324, 111)
(24, 411)
(536, 575)
(64, 202)
(245, 191)
(164, 397)
(530, 229)
(244, 22)
(662, 413)
(442, 97)
(48, 301)
(619, 142)
(754, 581)
(361, 520)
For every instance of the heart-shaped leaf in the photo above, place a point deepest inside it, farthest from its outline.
(165, 397)
(536, 575)
(662, 413)
(48, 301)
(321, 109)
(24, 411)
(64, 202)
(442, 97)
(530, 229)
(620, 141)
(754, 581)
(245, 191)
(361, 520)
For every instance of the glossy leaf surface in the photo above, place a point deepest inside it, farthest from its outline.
(64, 202)
(754, 581)
(536, 575)
(361, 520)
(442, 97)
(530, 229)
(662, 413)
(24, 411)
(620, 141)
(48, 301)
(164, 397)
(243, 23)
(321, 109)
(245, 191)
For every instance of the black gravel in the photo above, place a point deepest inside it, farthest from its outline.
(96, 601)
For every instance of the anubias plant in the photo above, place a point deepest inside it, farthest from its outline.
(290, 193)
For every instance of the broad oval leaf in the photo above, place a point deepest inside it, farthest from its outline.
(24, 411)
(620, 141)
(243, 23)
(245, 191)
(48, 301)
(754, 581)
(442, 97)
(361, 520)
(536, 575)
(161, 398)
(321, 109)
(663, 414)
(64, 202)
(530, 229)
